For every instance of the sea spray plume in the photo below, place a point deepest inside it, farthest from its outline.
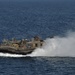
(57, 46)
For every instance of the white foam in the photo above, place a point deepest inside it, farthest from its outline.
(10, 55)
(57, 46)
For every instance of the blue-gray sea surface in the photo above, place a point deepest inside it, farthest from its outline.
(37, 66)
(28, 18)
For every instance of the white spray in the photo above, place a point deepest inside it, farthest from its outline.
(57, 46)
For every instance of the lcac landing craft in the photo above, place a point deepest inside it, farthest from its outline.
(23, 46)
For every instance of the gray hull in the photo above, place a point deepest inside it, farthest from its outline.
(15, 51)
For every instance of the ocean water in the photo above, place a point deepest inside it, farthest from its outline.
(45, 18)
(37, 66)
(28, 18)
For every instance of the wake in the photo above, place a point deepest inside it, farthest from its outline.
(57, 46)
(11, 55)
